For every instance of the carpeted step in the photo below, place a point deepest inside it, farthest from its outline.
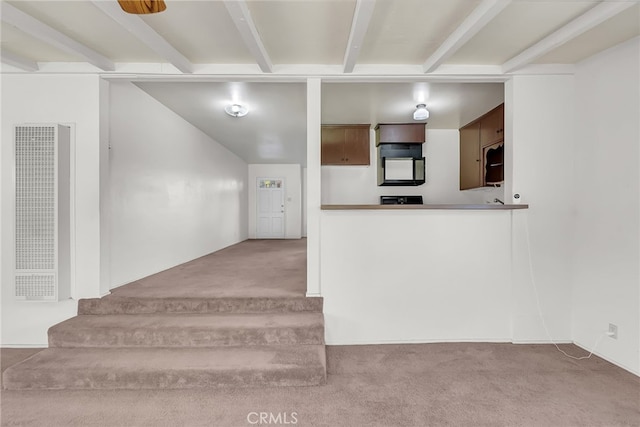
(128, 305)
(188, 330)
(169, 368)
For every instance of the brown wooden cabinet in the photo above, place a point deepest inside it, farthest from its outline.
(492, 126)
(482, 150)
(345, 145)
(470, 176)
(400, 133)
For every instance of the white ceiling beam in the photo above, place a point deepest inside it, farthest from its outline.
(53, 37)
(359, 26)
(239, 11)
(147, 35)
(18, 61)
(477, 20)
(573, 29)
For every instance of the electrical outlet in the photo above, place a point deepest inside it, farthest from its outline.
(613, 331)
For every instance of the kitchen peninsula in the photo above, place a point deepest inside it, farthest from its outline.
(411, 254)
(489, 207)
(447, 268)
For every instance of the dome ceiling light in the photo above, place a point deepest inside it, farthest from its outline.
(236, 110)
(421, 112)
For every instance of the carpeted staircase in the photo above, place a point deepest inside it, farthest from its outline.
(121, 342)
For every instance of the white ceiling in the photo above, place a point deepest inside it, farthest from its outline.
(377, 58)
(274, 130)
(451, 105)
(407, 32)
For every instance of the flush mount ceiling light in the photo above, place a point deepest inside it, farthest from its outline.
(236, 110)
(421, 112)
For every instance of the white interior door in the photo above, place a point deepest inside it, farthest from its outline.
(270, 218)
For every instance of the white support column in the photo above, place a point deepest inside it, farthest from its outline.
(541, 245)
(313, 186)
(105, 188)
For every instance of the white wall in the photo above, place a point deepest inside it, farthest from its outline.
(606, 192)
(358, 184)
(292, 175)
(463, 275)
(416, 276)
(540, 145)
(66, 99)
(176, 194)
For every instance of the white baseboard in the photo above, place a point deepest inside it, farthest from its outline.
(618, 364)
(543, 341)
(421, 341)
(25, 345)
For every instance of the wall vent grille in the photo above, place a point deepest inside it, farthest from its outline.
(42, 212)
(36, 286)
(35, 198)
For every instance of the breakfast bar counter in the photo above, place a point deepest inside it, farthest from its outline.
(486, 206)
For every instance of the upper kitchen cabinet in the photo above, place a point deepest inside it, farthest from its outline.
(482, 150)
(406, 133)
(345, 145)
(470, 176)
(492, 126)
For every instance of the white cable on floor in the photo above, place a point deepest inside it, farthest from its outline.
(535, 291)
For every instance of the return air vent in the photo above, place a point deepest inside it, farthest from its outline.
(36, 286)
(42, 212)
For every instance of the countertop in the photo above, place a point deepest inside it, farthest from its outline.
(485, 207)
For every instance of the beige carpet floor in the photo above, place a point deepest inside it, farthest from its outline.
(457, 384)
(274, 268)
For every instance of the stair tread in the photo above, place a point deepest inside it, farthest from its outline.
(216, 358)
(118, 297)
(182, 321)
(114, 304)
(56, 368)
